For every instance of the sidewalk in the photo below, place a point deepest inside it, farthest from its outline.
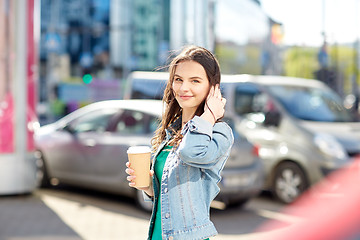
(92, 222)
(62, 215)
(26, 217)
(47, 217)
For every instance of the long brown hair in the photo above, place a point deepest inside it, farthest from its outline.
(173, 110)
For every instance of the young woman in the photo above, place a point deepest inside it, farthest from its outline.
(190, 147)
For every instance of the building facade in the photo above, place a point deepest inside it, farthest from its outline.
(89, 46)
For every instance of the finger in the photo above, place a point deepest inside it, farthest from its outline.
(129, 171)
(217, 91)
(130, 178)
(211, 92)
(151, 173)
(127, 164)
(131, 184)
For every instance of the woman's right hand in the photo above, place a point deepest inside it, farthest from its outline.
(131, 178)
(214, 105)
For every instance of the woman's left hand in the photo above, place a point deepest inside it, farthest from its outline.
(149, 190)
(215, 103)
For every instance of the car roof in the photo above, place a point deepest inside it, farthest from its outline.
(145, 105)
(272, 80)
(149, 75)
(152, 107)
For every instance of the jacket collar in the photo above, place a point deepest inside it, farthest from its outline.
(175, 126)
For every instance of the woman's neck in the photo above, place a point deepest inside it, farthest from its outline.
(187, 114)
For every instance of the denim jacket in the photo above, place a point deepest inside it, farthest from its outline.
(190, 177)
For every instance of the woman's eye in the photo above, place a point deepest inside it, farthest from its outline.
(196, 81)
(178, 80)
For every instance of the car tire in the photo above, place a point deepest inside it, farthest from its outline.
(289, 182)
(42, 178)
(140, 202)
(237, 203)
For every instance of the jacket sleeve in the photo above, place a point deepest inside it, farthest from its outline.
(147, 198)
(203, 145)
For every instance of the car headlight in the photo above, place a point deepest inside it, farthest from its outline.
(329, 145)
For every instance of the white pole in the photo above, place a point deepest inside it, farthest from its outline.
(324, 21)
(20, 82)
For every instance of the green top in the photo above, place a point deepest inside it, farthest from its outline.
(159, 168)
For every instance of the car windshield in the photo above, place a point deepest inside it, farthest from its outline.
(311, 104)
(148, 89)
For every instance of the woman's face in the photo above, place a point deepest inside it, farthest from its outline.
(190, 85)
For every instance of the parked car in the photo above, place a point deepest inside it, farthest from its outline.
(300, 125)
(88, 148)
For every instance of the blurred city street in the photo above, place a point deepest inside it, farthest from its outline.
(69, 213)
(79, 82)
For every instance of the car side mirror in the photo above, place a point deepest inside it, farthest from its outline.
(272, 118)
(69, 129)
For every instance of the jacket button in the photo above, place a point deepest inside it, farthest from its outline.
(167, 215)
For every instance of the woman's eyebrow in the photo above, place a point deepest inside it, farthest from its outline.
(195, 77)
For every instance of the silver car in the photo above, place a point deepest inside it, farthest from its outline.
(300, 125)
(88, 148)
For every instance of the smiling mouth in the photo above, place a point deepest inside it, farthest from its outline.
(185, 97)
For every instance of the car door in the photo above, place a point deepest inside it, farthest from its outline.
(85, 131)
(109, 155)
(62, 156)
(258, 117)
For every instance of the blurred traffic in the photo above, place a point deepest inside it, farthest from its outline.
(88, 148)
(300, 126)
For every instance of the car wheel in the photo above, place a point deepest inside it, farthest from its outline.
(289, 182)
(139, 199)
(237, 203)
(42, 178)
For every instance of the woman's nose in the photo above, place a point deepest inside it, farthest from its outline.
(184, 86)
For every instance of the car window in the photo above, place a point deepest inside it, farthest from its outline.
(312, 104)
(132, 122)
(249, 99)
(95, 121)
(153, 125)
(230, 122)
(148, 89)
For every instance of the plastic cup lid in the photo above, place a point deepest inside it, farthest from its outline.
(138, 149)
